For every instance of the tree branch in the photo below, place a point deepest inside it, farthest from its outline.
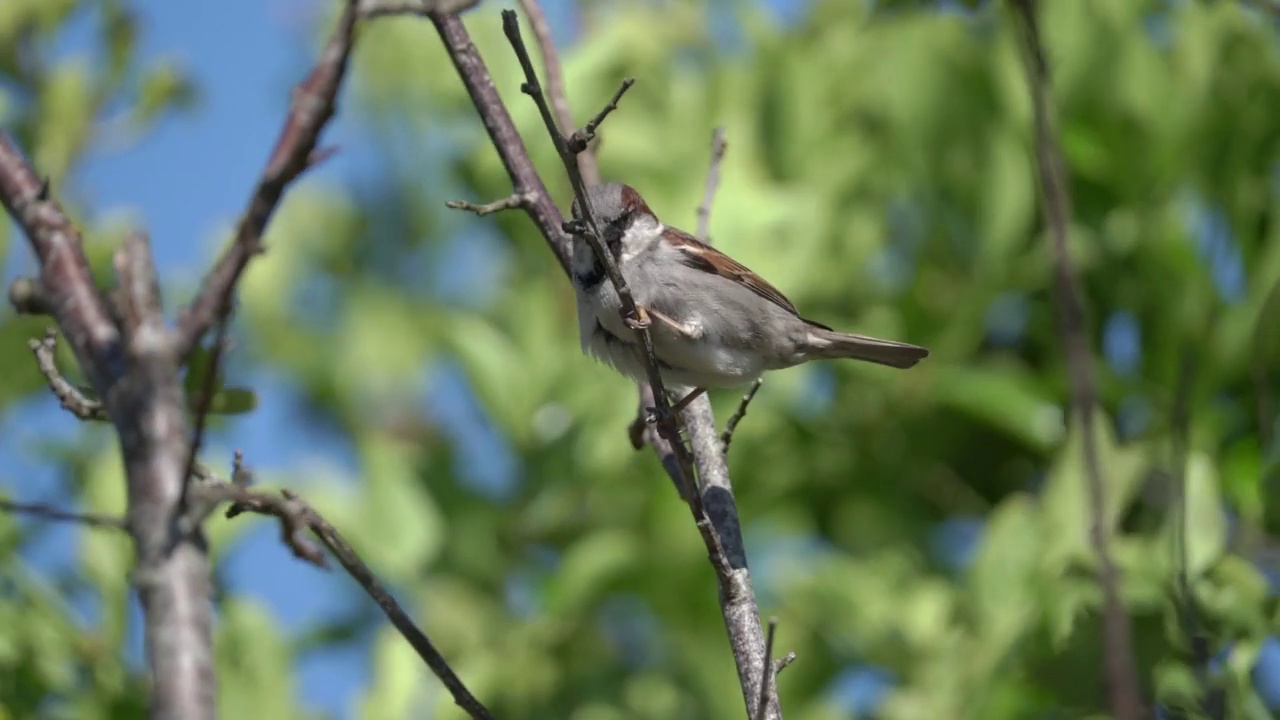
(132, 362)
(28, 298)
(502, 132)
(730, 427)
(737, 599)
(510, 202)
(313, 105)
(1122, 679)
(666, 421)
(296, 516)
(71, 398)
(555, 83)
(49, 512)
(135, 374)
(296, 519)
(767, 676)
(718, 146)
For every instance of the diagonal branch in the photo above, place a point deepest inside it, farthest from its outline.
(731, 427)
(65, 280)
(555, 83)
(718, 147)
(297, 516)
(738, 601)
(49, 512)
(666, 421)
(313, 105)
(502, 132)
(1122, 679)
(69, 395)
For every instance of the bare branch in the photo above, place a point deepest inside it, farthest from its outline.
(71, 398)
(718, 146)
(139, 288)
(137, 381)
(206, 495)
(314, 103)
(49, 512)
(502, 132)
(582, 137)
(727, 436)
(510, 202)
(781, 663)
(767, 676)
(666, 420)
(296, 517)
(555, 83)
(738, 601)
(370, 9)
(1122, 678)
(67, 284)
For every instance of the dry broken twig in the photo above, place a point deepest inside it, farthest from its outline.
(718, 147)
(511, 202)
(730, 427)
(73, 401)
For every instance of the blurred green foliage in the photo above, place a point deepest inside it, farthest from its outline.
(880, 172)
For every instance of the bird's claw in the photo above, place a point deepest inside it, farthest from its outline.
(640, 320)
(653, 415)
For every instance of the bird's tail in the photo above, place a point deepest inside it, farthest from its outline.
(825, 343)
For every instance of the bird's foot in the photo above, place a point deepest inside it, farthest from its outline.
(640, 320)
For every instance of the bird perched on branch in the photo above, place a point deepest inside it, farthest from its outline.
(714, 323)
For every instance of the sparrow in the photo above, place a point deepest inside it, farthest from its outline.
(714, 323)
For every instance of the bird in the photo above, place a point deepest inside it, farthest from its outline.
(714, 323)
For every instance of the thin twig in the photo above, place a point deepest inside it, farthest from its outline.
(1122, 678)
(666, 420)
(555, 83)
(502, 132)
(727, 436)
(737, 599)
(370, 9)
(50, 512)
(313, 105)
(511, 202)
(766, 678)
(718, 146)
(297, 515)
(582, 137)
(71, 398)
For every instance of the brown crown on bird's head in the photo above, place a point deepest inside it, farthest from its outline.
(612, 201)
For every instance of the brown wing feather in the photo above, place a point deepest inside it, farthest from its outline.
(701, 256)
